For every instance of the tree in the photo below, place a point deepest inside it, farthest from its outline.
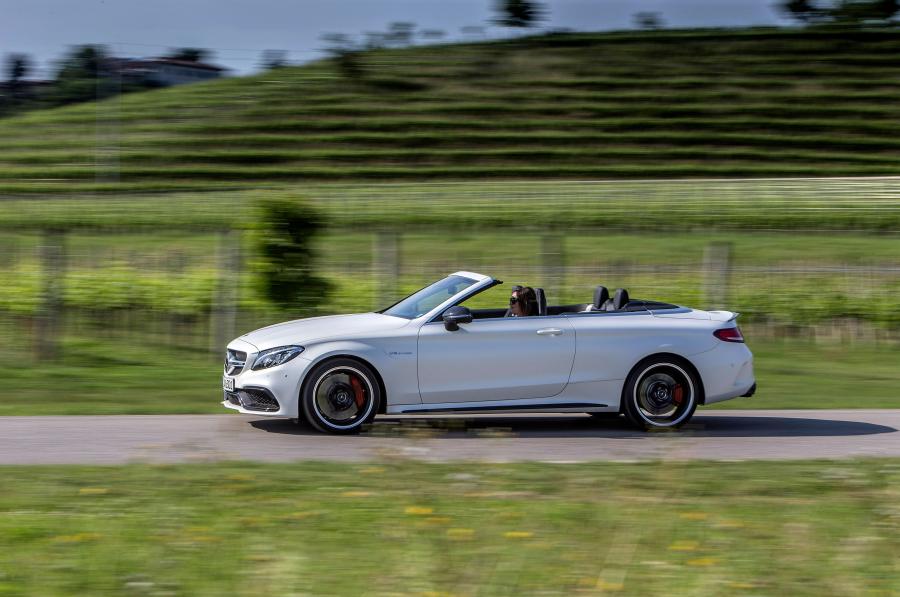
(864, 11)
(473, 32)
(17, 67)
(432, 34)
(190, 54)
(285, 245)
(400, 34)
(885, 10)
(272, 59)
(374, 40)
(804, 11)
(78, 77)
(842, 12)
(648, 20)
(340, 47)
(519, 13)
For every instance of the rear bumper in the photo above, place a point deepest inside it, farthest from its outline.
(726, 371)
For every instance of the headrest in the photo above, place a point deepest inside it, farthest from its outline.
(601, 295)
(541, 301)
(620, 299)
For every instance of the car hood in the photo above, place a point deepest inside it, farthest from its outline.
(318, 328)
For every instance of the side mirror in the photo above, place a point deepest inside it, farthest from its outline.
(455, 316)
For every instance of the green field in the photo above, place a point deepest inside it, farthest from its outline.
(824, 204)
(400, 528)
(701, 103)
(147, 253)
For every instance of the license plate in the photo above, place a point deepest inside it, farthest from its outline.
(228, 383)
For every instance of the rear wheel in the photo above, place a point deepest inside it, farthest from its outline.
(660, 393)
(340, 396)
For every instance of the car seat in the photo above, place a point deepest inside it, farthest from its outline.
(619, 301)
(601, 297)
(541, 301)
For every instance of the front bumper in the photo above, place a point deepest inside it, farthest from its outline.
(257, 400)
(273, 392)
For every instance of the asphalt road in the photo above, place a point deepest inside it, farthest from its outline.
(712, 435)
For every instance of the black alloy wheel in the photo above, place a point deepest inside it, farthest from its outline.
(340, 396)
(660, 393)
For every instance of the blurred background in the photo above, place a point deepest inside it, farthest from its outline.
(161, 199)
(176, 173)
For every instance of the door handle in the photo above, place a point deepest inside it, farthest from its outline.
(549, 332)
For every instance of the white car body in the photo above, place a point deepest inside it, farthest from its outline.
(569, 362)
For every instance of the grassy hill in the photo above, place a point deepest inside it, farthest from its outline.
(758, 102)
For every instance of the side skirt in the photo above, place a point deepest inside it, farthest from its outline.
(461, 407)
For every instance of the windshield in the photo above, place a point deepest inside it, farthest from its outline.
(423, 301)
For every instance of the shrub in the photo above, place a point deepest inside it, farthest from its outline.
(286, 259)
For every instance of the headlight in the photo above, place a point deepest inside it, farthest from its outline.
(275, 356)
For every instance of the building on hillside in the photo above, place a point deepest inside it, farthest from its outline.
(165, 72)
(27, 88)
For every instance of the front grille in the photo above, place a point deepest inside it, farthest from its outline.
(234, 361)
(253, 400)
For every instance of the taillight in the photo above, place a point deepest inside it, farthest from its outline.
(729, 334)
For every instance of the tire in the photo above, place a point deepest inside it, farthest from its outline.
(661, 392)
(340, 396)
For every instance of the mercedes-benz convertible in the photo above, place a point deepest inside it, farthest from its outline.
(439, 351)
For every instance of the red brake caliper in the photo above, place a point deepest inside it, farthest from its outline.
(677, 394)
(358, 391)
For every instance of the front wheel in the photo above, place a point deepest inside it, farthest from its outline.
(340, 396)
(660, 393)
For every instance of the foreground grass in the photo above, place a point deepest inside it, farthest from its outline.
(399, 528)
(130, 377)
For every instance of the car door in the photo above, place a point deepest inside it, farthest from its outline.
(495, 359)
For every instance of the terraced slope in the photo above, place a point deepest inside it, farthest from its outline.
(637, 105)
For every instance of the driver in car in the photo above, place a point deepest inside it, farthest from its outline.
(522, 302)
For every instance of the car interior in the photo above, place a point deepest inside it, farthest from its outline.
(602, 303)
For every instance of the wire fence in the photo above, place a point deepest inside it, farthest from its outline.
(200, 289)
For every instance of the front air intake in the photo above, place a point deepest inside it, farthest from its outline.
(257, 400)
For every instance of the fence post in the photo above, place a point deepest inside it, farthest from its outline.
(386, 267)
(553, 262)
(48, 323)
(223, 320)
(716, 274)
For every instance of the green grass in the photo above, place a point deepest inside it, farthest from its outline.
(117, 376)
(392, 528)
(140, 375)
(796, 374)
(669, 206)
(701, 103)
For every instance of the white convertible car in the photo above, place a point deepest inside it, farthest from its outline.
(431, 353)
